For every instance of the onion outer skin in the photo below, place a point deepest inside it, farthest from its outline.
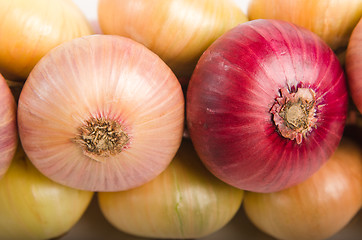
(185, 201)
(8, 127)
(354, 66)
(235, 85)
(333, 20)
(101, 76)
(34, 207)
(29, 29)
(317, 208)
(176, 30)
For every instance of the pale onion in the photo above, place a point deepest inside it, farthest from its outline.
(317, 208)
(185, 201)
(354, 66)
(8, 128)
(34, 207)
(29, 29)
(332, 20)
(101, 82)
(177, 30)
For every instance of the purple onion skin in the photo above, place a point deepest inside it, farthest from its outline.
(232, 90)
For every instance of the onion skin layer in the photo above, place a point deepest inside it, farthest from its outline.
(185, 201)
(179, 31)
(109, 77)
(29, 29)
(317, 208)
(332, 20)
(34, 207)
(232, 90)
(8, 127)
(354, 66)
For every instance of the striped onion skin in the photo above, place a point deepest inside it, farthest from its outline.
(8, 128)
(184, 202)
(354, 65)
(179, 31)
(333, 21)
(101, 77)
(231, 93)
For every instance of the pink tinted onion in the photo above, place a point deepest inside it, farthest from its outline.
(354, 65)
(266, 105)
(101, 113)
(8, 128)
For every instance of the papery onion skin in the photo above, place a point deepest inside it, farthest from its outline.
(106, 78)
(8, 127)
(29, 29)
(332, 20)
(179, 31)
(354, 66)
(185, 201)
(235, 85)
(34, 207)
(317, 208)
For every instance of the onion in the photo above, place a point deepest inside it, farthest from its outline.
(354, 66)
(266, 105)
(185, 201)
(101, 113)
(316, 208)
(179, 31)
(332, 20)
(34, 207)
(29, 29)
(8, 128)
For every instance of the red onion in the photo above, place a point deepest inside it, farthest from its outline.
(266, 105)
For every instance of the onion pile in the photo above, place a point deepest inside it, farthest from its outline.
(265, 113)
(266, 105)
(101, 113)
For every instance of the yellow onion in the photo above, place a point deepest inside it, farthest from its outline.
(179, 31)
(101, 113)
(317, 208)
(332, 20)
(29, 29)
(185, 201)
(8, 128)
(34, 207)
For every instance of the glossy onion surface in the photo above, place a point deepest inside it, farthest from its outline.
(8, 128)
(332, 20)
(29, 29)
(34, 207)
(354, 65)
(179, 31)
(236, 84)
(101, 79)
(185, 201)
(317, 208)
